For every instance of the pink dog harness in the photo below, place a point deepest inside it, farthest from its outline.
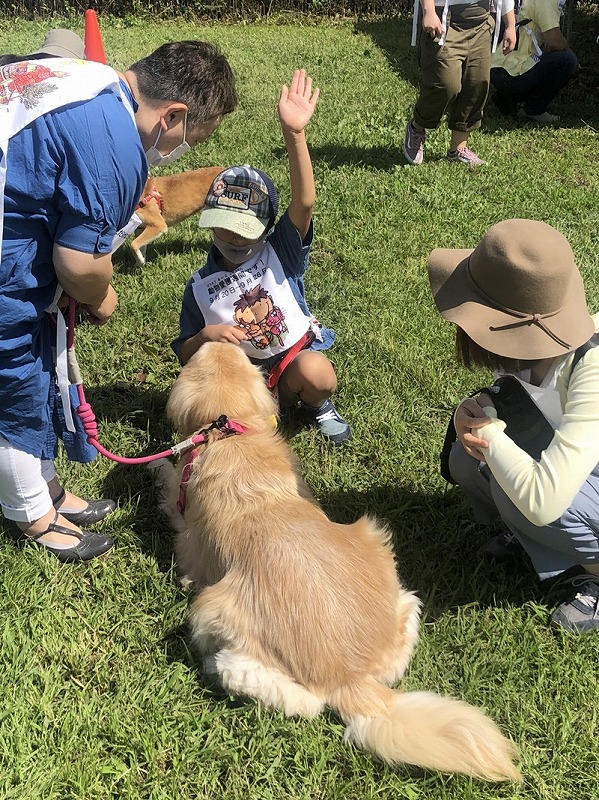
(226, 427)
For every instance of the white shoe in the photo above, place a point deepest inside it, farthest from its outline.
(541, 119)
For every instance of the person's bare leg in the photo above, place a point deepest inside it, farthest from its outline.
(310, 377)
(459, 140)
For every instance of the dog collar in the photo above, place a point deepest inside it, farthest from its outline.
(154, 195)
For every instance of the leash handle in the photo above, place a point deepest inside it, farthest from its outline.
(88, 418)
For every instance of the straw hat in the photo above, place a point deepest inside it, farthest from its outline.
(518, 294)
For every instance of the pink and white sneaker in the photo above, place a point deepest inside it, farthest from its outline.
(464, 155)
(413, 144)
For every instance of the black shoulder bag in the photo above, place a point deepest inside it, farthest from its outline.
(525, 423)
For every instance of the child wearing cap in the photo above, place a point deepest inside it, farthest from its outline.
(251, 290)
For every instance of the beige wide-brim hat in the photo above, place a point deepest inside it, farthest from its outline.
(63, 43)
(518, 294)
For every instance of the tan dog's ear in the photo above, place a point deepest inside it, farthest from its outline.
(220, 379)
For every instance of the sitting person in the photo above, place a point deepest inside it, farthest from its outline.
(58, 43)
(519, 305)
(251, 292)
(529, 78)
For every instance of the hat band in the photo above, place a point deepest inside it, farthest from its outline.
(522, 318)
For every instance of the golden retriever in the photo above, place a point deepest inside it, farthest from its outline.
(295, 610)
(168, 200)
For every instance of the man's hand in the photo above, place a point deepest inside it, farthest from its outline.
(100, 314)
(85, 276)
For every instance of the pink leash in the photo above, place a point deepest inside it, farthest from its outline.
(85, 413)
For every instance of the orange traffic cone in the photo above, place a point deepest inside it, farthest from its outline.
(94, 49)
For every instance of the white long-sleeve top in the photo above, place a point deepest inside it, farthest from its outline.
(543, 490)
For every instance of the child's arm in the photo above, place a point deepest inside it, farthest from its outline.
(193, 331)
(211, 333)
(296, 106)
(509, 33)
(431, 23)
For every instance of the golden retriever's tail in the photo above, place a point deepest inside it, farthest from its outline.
(424, 729)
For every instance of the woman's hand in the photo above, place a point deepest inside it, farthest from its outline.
(508, 44)
(468, 417)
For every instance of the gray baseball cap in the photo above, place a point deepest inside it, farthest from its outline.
(63, 43)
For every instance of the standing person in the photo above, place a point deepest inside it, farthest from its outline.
(529, 78)
(251, 291)
(75, 145)
(455, 58)
(519, 305)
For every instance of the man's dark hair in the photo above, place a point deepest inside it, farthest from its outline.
(190, 72)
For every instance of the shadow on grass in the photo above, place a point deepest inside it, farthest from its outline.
(437, 548)
(338, 155)
(126, 264)
(393, 36)
(435, 541)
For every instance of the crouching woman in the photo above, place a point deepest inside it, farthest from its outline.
(519, 306)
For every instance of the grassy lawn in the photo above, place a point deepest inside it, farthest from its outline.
(101, 695)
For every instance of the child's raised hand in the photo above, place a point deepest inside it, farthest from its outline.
(297, 102)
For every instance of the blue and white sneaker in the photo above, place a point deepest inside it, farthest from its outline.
(332, 426)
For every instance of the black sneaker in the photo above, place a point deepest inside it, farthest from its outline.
(580, 612)
(503, 548)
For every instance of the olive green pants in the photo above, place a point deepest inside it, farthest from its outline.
(455, 77)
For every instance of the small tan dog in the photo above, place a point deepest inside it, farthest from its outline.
(292, 609)
(168, 200)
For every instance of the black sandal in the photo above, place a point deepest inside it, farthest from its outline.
(95, 511)
(89, 544)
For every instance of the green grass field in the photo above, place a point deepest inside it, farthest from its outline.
(101, 694)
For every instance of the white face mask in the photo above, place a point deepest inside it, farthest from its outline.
(155, 157)
(238, 255)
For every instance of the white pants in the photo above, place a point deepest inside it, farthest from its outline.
(24, 493)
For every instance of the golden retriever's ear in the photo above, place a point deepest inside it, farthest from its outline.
(220, 379)
(179, 408)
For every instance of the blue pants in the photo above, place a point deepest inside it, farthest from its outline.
(537, 87)
(572, 540)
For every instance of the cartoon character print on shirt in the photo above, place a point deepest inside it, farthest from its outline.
(263, 321)
(25, 81)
